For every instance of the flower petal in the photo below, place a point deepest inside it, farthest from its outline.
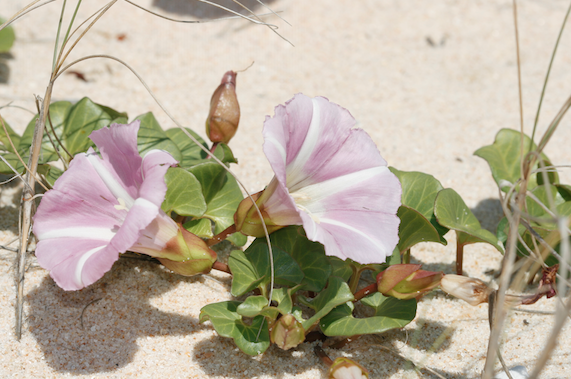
(155, 166)
(335, 177)
(78, 200)
(84, 262)
(118, 147)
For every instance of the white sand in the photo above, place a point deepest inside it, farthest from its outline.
(427, 107)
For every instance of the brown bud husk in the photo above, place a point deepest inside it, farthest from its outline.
(287, 332)
(471, 290)
(224, 115)
(345, 368)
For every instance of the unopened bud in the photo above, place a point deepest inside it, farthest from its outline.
(187, 254)
(224, 115)
(407, 281)
(345, 368)
(287, 332)
(473, 291)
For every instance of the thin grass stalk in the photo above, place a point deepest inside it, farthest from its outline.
(562, 311)
(547, 75)
(501, 311)
(60, 22)
(27, 204)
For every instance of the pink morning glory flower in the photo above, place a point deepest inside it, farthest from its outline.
(105, 204)
(330, 178)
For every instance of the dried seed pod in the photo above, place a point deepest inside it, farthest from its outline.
(224, 116)
(471, 290)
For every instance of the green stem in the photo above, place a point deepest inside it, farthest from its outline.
(406, 256)
(354, 282)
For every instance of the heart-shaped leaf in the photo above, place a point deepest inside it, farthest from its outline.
(309, 255)
(336, 293)
(453, 213)
(419, 192)
(151, 136)
(228, 323)
(504, 159)
(191, 152)
(201, 227)
(252, 269)
(184, 193)
(390, 313)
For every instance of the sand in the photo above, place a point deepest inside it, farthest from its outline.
(431, 82)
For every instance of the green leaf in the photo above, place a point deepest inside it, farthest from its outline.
(223, 204)
(340, 268)
(191, 152)
(453, 213)
(245, 276)
(564, 190)
(419, 192)
(503, 157)
(59, 113)
(415, 228)
(151, 136)
(184, 193)
(211, 176)
(13, 136)
(254, 264)
(201, 227)
(228, 323)
(536, 210)
(252, 306)
(7, 37)
(83, 118)
(390, 313)
(50, 172)
(336, 293)
(308, 254)
(224, 154)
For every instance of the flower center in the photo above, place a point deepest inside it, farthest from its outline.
(121, 205)
(303, 202)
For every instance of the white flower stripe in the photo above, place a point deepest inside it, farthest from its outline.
(294, 170)
(114, 186)
(92, 233)
(352, 229)
(81, 263)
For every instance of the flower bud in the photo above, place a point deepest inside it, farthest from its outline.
(473, 291)
(345, 368)
(287, 332)
(224, 116)
(187, 254)
(407, 281)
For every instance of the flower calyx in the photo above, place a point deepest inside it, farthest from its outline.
(407, 281)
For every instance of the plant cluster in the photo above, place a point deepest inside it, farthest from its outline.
(333, 229)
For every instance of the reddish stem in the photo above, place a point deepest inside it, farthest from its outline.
(214, 146)
(221, 267)
(459, 257)
(365, 291)
(321, 354)
(222, 235)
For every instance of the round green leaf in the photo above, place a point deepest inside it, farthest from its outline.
(191, 152)
(151, 136)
